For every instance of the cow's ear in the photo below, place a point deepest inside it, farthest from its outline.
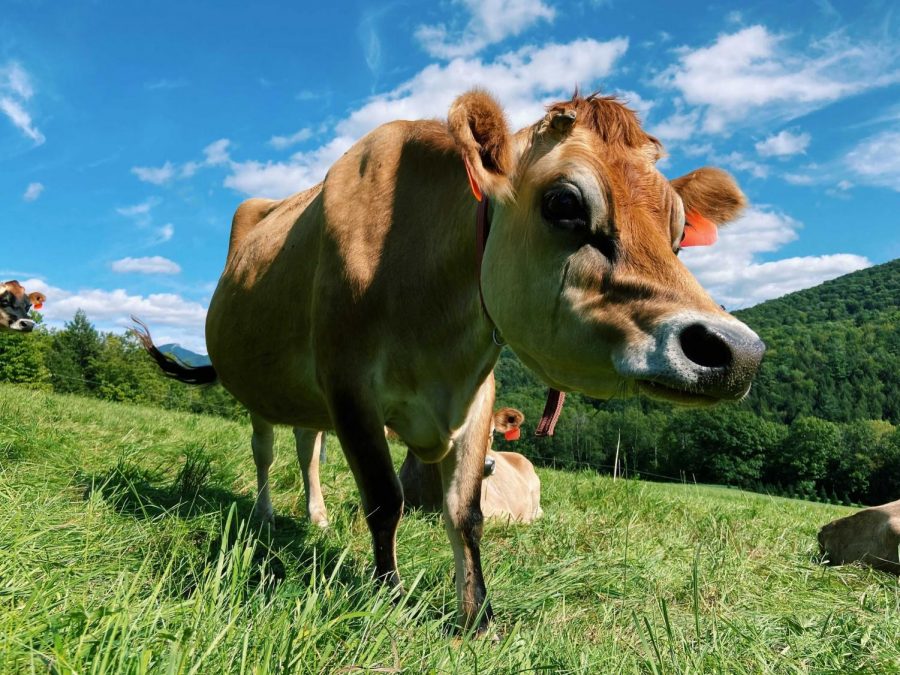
(37, 300)
(506, 419)
(480, 130)
(712, 193)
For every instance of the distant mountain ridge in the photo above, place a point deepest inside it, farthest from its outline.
(186, 356)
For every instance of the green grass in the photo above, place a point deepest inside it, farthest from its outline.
(125, 547)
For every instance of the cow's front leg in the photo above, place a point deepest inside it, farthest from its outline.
(361, 433)
(309, 445)
(461, 473)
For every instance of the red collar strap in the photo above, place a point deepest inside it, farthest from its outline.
(555, 398)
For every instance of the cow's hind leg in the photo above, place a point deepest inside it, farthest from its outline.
(263, 444)
(361, 433)
(461, 474)
(309, 446)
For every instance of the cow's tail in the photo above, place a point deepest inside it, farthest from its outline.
(171, 366)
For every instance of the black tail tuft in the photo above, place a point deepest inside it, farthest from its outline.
(170, 366)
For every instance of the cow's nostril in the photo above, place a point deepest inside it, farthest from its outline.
(705, 348)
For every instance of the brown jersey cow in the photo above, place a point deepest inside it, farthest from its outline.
(510, 490)
(15, 304)
(870, 536)
(361, 302)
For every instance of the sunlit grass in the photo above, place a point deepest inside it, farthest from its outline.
(125, 546)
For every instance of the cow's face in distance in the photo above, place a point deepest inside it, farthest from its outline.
(15, 304)
(581, 272)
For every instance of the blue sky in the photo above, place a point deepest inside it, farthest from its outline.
(129, 132)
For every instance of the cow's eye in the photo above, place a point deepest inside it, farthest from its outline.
(563, 207)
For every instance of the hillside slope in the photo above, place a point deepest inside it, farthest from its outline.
(112, 559)
(833, 350)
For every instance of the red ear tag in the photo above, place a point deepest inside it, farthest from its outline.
(512, 434)
(472, 184)
(698, 231)
(39, 305)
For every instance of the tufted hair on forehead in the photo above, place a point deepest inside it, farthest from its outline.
(606, 116)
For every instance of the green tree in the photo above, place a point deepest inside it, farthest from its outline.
(73, 356)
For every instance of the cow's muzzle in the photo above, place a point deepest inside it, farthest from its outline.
(696, 358)
(22, 325)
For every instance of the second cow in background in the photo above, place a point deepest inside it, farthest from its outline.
(511, 489)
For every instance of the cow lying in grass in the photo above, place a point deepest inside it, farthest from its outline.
(870, 536)
(390, 305)
(15, 304)
(511, 489)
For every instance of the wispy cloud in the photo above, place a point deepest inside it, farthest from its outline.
(214, 154)
(783, 144)
(164, 233)
(15, 91)
(33, 191)
(876, 160)
(524, 80)
(137, 210)
(490, 22)
(156, 175)
(165, 83)
(282, 142)
(753, 75)
(149, 265)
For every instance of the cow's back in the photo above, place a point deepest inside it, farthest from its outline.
(513, 491)
(368, 277)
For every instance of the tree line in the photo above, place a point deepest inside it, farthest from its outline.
(79, 359)
(819, 423)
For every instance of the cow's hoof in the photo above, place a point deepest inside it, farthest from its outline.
(320, 519)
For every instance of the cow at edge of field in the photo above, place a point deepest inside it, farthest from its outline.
(15, 304)
(870, 536)
(510, 489)
(369, 300)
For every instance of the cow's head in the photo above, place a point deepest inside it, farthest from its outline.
(15, 304)
(581, 273)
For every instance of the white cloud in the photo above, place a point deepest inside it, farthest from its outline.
(737, 161)
(491, 21)
(876, 160)
(137, 210)
(165, 233)
(172, 317)
(15, 91)
(679, 126)
(751, 75)
(783, 144)
(214, 154)
(799, 179)
(151, 265)
(524, 81)
(282, 142)
(731, 272)
(157, 176)
(33, 191)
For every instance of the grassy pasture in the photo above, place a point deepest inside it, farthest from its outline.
(125, 547)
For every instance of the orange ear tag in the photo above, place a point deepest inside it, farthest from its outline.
(39, 305)
(512, 434)
(698, 231)
(472, 184)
